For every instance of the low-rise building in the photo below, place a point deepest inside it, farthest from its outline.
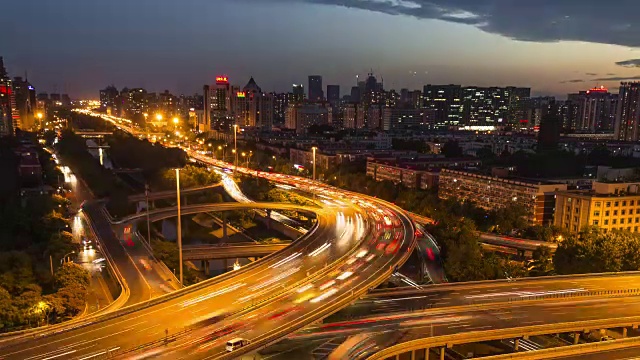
(611, 206)
(490, 193)
(305, 158)
(421, 173)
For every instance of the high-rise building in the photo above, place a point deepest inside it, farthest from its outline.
(298, 93)
(446, 103)
(628, 113)
(6, 92)
(333, 94)
(315, 88)
(355, 94)
(595, 110)
(220, 94)
(302, 116)
(25, 100)
(205, 120)
(253, 107)
(108, 98)
(550, 127)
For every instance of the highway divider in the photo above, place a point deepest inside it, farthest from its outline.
(499, 334)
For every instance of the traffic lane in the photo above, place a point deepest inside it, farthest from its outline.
(502, 293)
(140, 291)
(435, 323)
(203, 304)
(305, 306)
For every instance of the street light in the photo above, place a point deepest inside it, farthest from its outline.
(64, 258)
(159, 117)
(179, 223)
(235, 147)
(146, 195)
(314, 162)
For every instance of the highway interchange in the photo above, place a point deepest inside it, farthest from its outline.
(270, 299)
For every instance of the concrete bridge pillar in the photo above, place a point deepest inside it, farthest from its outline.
(576, 338)
(224, 226)
(624, 332)
(516, 344)
(442, 353)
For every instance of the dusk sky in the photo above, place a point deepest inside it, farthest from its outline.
(553, 46)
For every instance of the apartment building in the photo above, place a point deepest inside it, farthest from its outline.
(490, 193)
(611, 206)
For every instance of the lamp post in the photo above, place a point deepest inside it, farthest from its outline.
(146, 195)
(235, 147)
(244, 155)
(314, 162)
(175, 123)
(179, 224)
(64, 258)
(220, 148)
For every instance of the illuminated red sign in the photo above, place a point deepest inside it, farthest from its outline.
(600, 89)
(222, 80)
(241, 94)
(524, 121)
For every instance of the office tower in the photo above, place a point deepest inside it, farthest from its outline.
(518, 98)
(280, 104)
(205, 123)
(298, 93)
(628, 113)
(333, 94)
(446, 103)
(220, 94)
(355, 94)
(550, 127)
(253, 108)
(65, 99)
(315, 88)
(24, 94)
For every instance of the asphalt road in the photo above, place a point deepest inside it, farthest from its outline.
(201, 310)
(620, 354)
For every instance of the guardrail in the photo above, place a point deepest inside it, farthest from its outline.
(93, 319)
(327, 309)
(579, 349)
(510, 333)
(468, 285)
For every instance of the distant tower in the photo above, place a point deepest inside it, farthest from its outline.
(206, 114)
(315, 88)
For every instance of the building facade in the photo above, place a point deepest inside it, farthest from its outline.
(492, 193)
(628, 113)
(610, 206)
(315, 88)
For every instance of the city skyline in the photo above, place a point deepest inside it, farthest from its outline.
(407, 43)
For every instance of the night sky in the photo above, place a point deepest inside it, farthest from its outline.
(553, 46)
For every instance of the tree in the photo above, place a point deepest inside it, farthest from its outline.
(451, 149)
(542, 262)
(71, 274)
(594, 251)
(73, 298)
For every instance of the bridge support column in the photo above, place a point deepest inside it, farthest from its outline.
(516, 344)
(224, 225)
(442, 352)
(576, 338)
(205, 266)
(624, 332)
(426, 354)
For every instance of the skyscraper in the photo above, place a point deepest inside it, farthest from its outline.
(333, 94)
(315, 88)
(628, 113)
(446, 103)
(595, 109)
(298, 93)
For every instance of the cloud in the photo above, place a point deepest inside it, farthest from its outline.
(591, 74)
(571, 81)
(618, 78)
(531, 20)
(632, 63)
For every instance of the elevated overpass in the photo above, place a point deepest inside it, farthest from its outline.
(263, 301)
(168, 194)
(228, 251)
